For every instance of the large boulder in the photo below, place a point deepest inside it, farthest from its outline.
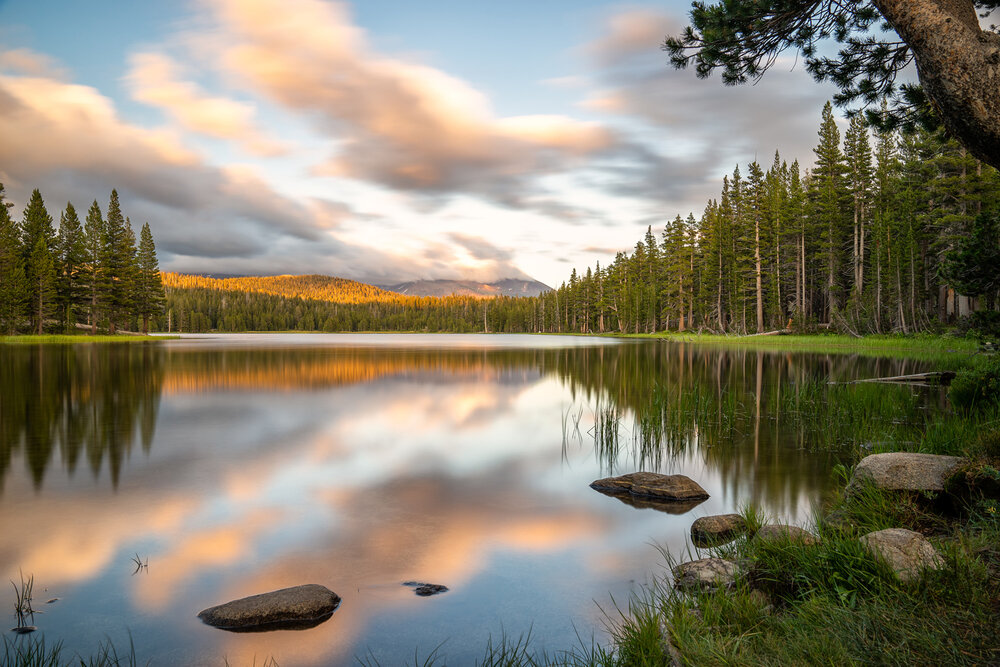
(905, 471)
(785, 533)
(293, 608)
(652, 485)
(906, 552)
(709, 531)
(705, 573)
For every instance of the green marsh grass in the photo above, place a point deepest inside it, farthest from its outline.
(78, 339)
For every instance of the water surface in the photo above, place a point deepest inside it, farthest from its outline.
(236, 465)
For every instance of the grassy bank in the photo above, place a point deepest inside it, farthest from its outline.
(75, 339)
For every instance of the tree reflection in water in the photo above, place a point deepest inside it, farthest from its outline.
(767, 422)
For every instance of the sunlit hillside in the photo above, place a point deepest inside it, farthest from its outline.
(320, 288)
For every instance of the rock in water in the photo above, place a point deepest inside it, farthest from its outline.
(778, 532)
(426, 590)
(705, 573)
(652, 485)
(905, 471)
(906, 552)
(709, 531)
(293, 608)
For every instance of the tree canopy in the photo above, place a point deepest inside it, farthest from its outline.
(956, 60)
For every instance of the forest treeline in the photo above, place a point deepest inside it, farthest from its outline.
(323, 303)
(891, 233)
(898, 237)
(91, 274)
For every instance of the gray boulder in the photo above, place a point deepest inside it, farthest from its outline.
(705, 573)
(293, 608)
(652, 485)
(906, 552)
(779, 532)
(718, 529)
(905, 471)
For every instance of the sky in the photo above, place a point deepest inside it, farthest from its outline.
(383, 140)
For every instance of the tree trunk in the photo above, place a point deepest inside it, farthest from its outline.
(958, 65)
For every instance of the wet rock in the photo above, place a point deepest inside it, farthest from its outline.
(709, 531)
(24, 629)
(705, 573)
(905, 471)
(780, 532)
(294, 608)
(425, 590)
(906, 552)
(652, 485)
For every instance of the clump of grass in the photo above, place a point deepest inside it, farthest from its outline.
(34, 652)
(22, 601)
(140, 564)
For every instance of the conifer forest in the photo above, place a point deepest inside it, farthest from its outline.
(88, 275)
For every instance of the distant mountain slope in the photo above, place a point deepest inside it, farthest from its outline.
(320, 288)
(505, 287)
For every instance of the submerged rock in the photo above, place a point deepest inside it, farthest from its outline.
(426, 590)
(905, 471)
(652, 485)
(705, 573)
(294, 608)
(778, 532)
(906, 552)
(710, 531)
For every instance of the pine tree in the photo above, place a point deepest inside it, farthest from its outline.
(858, 156)
(43, 284)
(72, 269)
(826, 202)
(149, 295)
(39, 247)
(13, 282)
(117, 259)
(94, 233)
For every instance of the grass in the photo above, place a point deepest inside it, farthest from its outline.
(22, 601)
(74, 339)
(873, 344)
(34, 652)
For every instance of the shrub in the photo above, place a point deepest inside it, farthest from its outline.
(978, 387)
(982, 324)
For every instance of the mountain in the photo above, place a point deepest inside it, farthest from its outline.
(504, 287)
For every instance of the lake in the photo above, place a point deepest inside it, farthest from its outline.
(235, 465)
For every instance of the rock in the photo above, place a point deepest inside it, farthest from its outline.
(709, 531)
(293, 608)
(24, 629)
(426, 590)
(705, 573)
(779, 532)
(652, 485)
(905, 471)
(906, 552)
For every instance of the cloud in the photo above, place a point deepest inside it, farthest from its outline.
(398, 123)
(692, 130)
(70, 140)
(154, 80)
(25, 61)
(632, 32)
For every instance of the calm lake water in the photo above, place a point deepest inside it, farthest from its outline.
(236, 465)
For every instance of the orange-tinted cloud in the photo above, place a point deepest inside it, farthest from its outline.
(155, 79)
(401, 123)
